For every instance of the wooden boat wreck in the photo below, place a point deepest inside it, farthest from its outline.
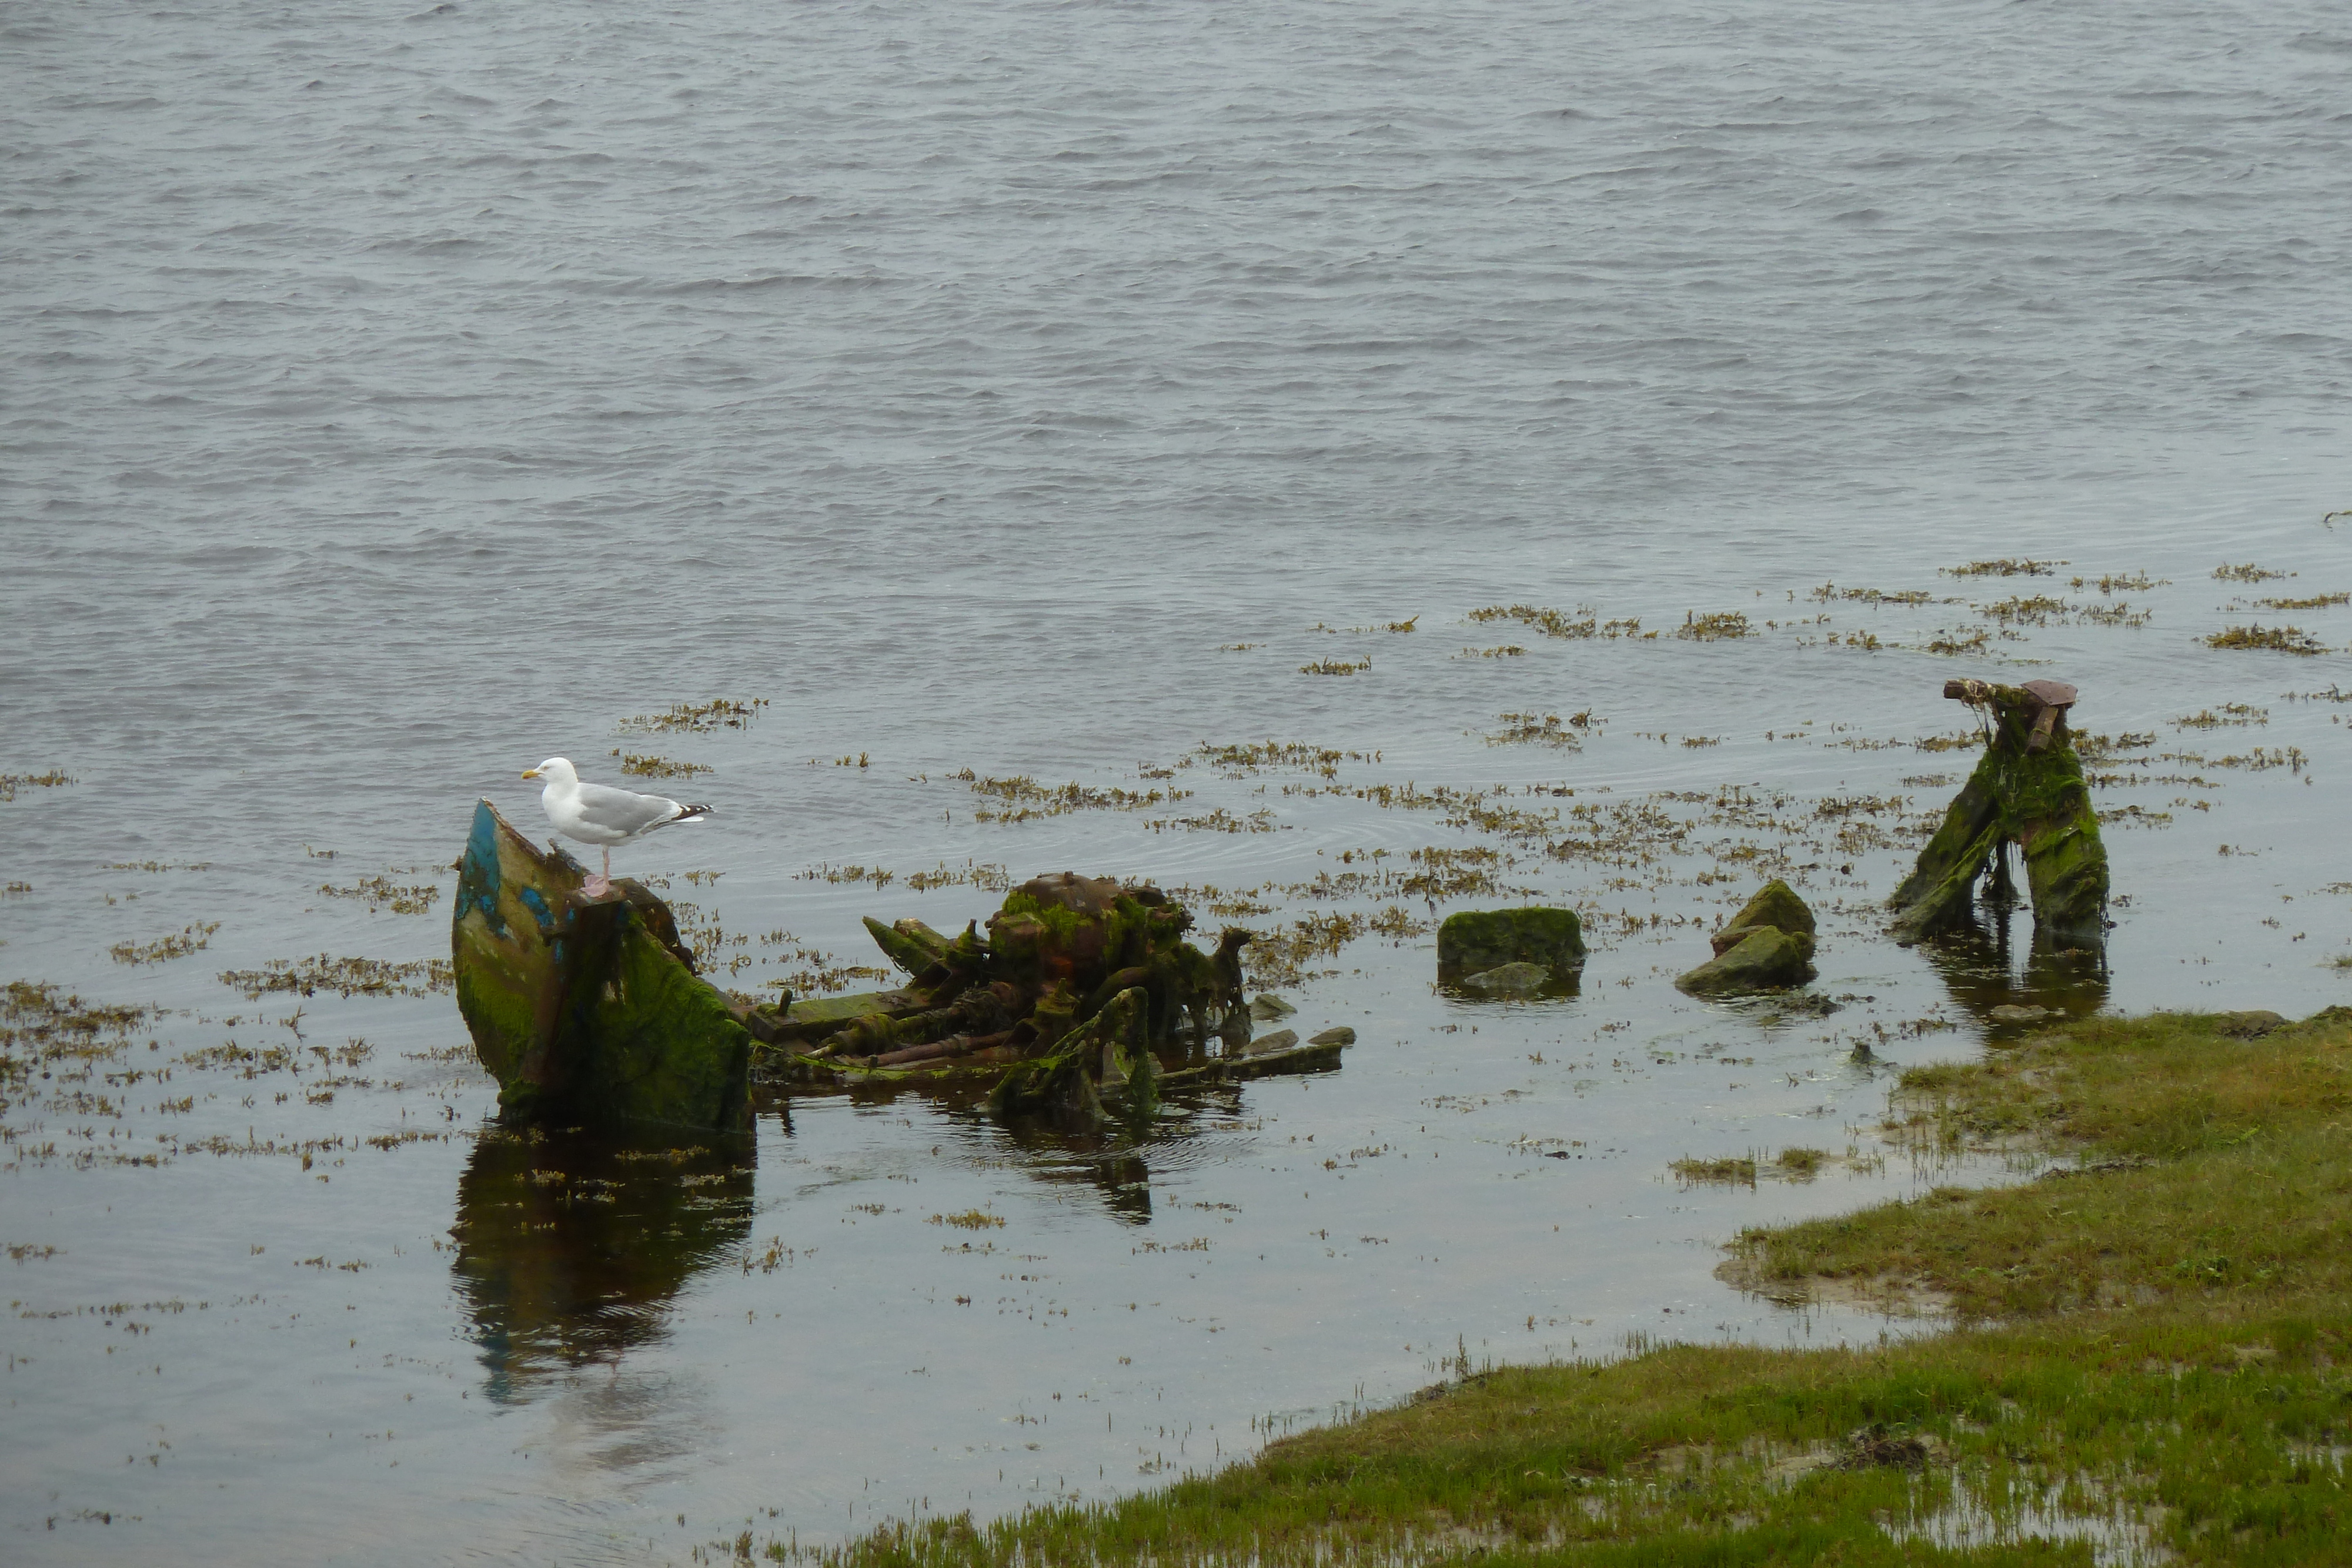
(1082, 1001)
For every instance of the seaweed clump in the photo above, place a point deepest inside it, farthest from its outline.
(2271, 638)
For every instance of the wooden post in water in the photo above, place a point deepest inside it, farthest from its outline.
(2028, 791)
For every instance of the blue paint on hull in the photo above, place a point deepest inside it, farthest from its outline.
(478, 875)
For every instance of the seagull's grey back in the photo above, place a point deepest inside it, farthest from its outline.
(626, 810)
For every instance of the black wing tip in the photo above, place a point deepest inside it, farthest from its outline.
(694, 814)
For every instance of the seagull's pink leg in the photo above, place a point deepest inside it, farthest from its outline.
(598, 887)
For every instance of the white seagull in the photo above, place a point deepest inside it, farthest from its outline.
(600, 815)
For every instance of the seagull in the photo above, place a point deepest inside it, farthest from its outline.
(600, 815)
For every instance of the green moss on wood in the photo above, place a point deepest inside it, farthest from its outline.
(661, 1046)
(2038, 800)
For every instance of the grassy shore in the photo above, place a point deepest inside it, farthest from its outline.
(2148, 1363)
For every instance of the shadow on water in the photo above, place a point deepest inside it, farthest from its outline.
(572, 1247)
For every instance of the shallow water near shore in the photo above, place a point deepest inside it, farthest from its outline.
(1134, 398)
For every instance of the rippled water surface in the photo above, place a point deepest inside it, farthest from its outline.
(390, 401)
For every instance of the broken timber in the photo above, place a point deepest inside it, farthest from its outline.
(2028, 791)
(1075, 977)
(1081, 1001)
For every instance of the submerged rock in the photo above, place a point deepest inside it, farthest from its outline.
(588, 1010)
(1342, 1035)
(1269, 1008)
(1800, 1004)
(1476, 941)
(1509, 979)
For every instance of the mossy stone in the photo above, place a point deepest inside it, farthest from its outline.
(1776, 905)
(1767, 959)
(1475, 940)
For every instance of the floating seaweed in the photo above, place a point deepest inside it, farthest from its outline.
(657, 767)
(2006, 566)
(383, 892)
(178, 944)
(12, 782)
(2274, 639)
(697, 718)
(1550, 623)
(1543, 729)
(1715, 628)
(345, 977)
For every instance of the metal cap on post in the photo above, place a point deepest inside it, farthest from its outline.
(2055, 697)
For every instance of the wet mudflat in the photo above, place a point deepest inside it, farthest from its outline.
(1549, 480)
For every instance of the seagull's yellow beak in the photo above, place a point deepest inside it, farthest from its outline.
(530, 773)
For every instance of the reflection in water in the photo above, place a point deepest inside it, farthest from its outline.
(1560, 985)
(1117, 1158)
(1108, 1161)
(1977, 963)
(571, 1247)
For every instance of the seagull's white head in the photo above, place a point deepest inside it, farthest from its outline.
(555, 771)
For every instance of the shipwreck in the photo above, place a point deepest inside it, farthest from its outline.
(1082, 1001)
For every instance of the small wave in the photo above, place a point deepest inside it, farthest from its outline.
(769, 280)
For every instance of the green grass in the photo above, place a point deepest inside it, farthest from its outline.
(2152, 1343)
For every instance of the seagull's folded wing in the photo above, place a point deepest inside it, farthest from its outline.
(626, 810)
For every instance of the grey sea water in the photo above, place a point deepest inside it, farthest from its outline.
(390, 399)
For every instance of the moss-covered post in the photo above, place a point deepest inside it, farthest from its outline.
(2028, 791)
